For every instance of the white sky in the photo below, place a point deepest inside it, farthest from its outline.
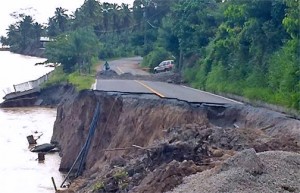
(40, 10)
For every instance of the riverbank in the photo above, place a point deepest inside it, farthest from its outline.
(49, 96)
(4, 49)
(34, 52)
(146, 144)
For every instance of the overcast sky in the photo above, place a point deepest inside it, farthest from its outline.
(40, 10)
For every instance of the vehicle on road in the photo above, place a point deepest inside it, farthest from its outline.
(164, 66)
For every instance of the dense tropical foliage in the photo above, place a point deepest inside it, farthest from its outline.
(249, 48)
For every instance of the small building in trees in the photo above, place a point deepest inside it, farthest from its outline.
(44, 41)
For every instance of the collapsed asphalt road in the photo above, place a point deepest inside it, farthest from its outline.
(148, 143)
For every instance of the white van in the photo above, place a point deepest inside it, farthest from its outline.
(164, 66)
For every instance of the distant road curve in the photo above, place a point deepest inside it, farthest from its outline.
(161, 89)
(128, 65)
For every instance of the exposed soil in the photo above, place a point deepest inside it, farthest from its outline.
(147, 145)
(56, 94)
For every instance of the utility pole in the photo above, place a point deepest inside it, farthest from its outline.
(147, 3)
(180, 55)
(145, 25)
(180, 59)
(146, 22)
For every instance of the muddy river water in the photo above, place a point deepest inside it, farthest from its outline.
(20, 171)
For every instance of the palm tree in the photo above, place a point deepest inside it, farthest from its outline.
(115, 8)
(88, 15)
(61, 18)
(126, 16)
(138, 12)
(26, 31)
(106, 7)
(58, 23)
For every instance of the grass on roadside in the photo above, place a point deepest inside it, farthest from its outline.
(80, 81)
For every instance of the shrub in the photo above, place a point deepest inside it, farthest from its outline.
(155, 57)
(58, 76)
(98, 186)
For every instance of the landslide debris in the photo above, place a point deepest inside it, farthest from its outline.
(248, 171)
(148, 145)
(169, 76)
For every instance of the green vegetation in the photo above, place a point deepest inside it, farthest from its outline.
(119, 179)
(120, 175)
(98, 186)
(80, 81)
(74, 50)
(248, 48)
(155, 57)
(58, 76)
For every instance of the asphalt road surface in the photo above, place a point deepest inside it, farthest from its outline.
(161, 89)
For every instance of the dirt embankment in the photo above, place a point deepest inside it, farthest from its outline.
(143, 144)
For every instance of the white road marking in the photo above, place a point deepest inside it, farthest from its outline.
(213, 94)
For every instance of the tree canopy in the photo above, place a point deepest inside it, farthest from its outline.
(74, 50)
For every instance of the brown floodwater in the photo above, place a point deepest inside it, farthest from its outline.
(20, 171)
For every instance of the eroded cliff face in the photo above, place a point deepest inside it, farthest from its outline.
(124, 121)
(175, 139)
